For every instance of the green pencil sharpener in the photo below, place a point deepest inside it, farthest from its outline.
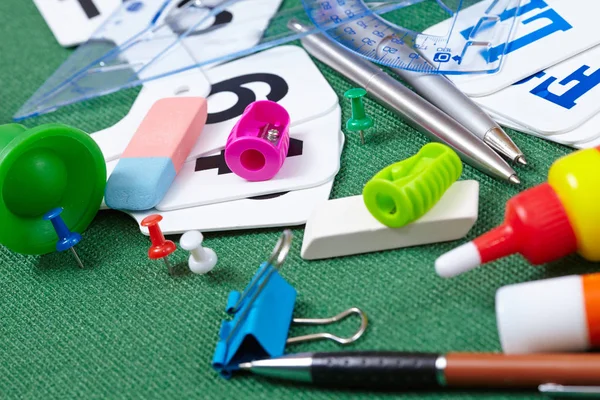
(403, 192)
(42, 168)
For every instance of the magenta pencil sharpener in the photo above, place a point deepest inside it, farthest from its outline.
(258, 144)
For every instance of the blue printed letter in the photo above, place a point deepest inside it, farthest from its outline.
(567, 100)
(557, 24)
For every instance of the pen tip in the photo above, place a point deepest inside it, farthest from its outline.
(521, 160)
(514, 179)
(245, 366)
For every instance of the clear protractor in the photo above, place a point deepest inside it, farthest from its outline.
(471, 40)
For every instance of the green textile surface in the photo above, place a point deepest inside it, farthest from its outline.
(124, 328)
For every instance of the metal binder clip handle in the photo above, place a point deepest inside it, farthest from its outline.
(325, 321)
(581, 392)
(281, 250)
(275, 261)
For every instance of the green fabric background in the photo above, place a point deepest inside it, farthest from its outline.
(124, 328)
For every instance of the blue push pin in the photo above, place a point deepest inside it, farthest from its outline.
(66, 238)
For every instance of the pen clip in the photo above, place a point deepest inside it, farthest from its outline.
(554, 390)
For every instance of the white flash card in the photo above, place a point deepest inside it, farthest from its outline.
(581, 134)
(280, 209)
(588, 144)
(554, 101)
(244, 20)
(283, 74)
(589, 130)
(510, 124)
(274, 210)
(73, 21)
(114, 139)
(313, 159)
(547, 32)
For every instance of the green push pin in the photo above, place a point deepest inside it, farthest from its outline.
(359, 121)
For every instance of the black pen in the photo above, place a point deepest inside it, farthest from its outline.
(402, 371)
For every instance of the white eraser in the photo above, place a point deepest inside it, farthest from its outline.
(344, 226)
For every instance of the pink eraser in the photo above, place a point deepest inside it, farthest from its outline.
(258, 144)
(156, 153)
(170, 129)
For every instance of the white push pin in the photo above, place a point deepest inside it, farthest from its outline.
(202, 260)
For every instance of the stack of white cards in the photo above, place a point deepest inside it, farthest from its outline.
(206, 195)
(549, 83)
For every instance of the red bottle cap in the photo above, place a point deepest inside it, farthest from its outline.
(536, 225)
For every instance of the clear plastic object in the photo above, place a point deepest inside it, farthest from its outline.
(471, 40)
(150, 39)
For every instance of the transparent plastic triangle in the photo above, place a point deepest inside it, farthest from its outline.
(149, 39)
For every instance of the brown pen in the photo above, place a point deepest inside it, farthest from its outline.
(401, 371)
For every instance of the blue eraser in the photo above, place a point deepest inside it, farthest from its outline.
(139, 183)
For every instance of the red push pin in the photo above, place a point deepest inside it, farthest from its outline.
(161, 248)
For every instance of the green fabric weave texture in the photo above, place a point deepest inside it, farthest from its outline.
(123, 328)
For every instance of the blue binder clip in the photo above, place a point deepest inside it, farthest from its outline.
(262, 316)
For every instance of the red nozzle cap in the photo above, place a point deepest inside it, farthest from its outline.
(536, 225)
(160, 246)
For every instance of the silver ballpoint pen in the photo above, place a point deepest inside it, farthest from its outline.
(417, 111)
(442, 93)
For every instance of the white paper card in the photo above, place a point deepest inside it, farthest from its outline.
(288, 209)
(588, 144)
(554, 101)
(276, 210)
(73, 21)
(283, 74)
(313, 159)
(547, 32)
(589, 130)
(238, 27)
